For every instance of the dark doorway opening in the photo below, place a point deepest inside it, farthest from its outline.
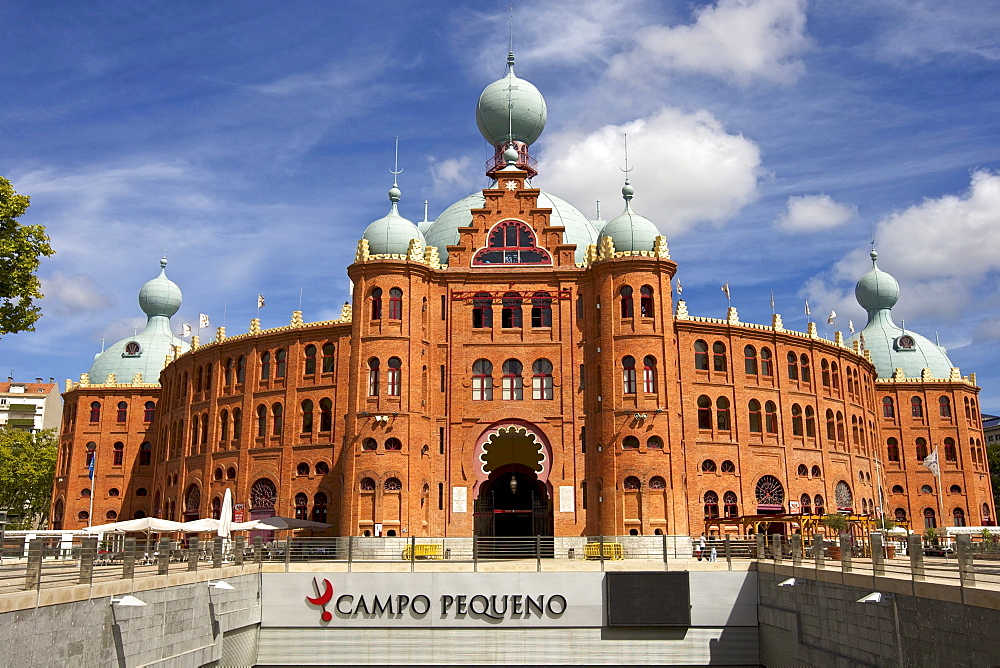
(513, 515)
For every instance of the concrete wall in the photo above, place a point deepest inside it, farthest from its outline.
(818, 622)
(183, 624)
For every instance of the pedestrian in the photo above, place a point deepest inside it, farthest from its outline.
(713, 555)
(700, 550)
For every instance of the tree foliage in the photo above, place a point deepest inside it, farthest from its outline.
(993, 456)
(21, 250)
(27, 467)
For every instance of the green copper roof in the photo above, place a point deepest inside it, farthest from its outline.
(511, 108)
(391, 234)
(630, 231)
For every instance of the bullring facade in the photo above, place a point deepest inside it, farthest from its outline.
(514, 368)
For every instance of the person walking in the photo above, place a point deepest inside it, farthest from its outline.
(700, 550)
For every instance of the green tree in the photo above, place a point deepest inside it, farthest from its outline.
(21, 249)
(27, 467)
(993, 456)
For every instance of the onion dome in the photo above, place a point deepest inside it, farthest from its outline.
(391, 234)
(577, 229)
(891, 346)
(511, 109)
(145, 352)
(629, 231)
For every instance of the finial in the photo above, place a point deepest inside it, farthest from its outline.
(627, 189)
(426, 206)
(163, 260)
(394, 193)
(873, 255)
(627, 168)
(510, 43)
(598, 209)
(510, 155)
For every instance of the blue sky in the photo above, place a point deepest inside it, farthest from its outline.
(769, 138)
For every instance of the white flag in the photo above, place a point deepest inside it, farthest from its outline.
(931, 462)
(725, 288)
(808, 312)
(832, 317)
(850, 325)
(260, 301)
(202, 321)
(185, 330)
(680, 290)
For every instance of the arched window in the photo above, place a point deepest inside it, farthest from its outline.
(322, 468)
(482, 311)
(394, 377)
(892, 453)
(310, 367)
(328, 358)
(950, 451)
(218, 474)
(840, 427)
(897, 489)
(804, 370)
(118, 454)
(842, 492)
(325, 415)
(241, 369)
(373, 365)
(796, 420)
(392, 485)
(835, 371)
(719, 356)
(728, 466)
(150, 412)
(631, 483)
(541, 309)
(916, 407)
(986, 514)
(307, 416)
(628, 375)
(646, 301)
(510, 314)
(237, 423)
(198, 378)
(810, 422)
(541, 380)
(831, 426)
(824, 372)
(818, 507)
(930, 518)
(369, 444)
(711, 505)
(85, 493)
(280, 360)
(955, 489)
(921, 449)
(708, 466)
(302, 468)
(944, 406)
(649, 374)
(513, 383)
(855, 437)
(959, 515)
(753, 412)
(395, 304)
(261, 421)
(276, 413)
(750, 360)
(722, 414)
(265, 366)
(766, 362)
(376, 300)
(204, 429)
(816, 471)
(805, 505)
(511, 242)
(793, 366)
(769, 492)
(770, 417)
(864, 506)
(630, 443)
(122, 415)
(625, 298)
(227, 372)
(95, 411)
(654, 443)
(393, 444)
(367, 485)
(701, 355)
(301, 506)
(803, 470)
(704, 412)
(730, 507)
(657, 482)
(888, 410)
(482, 380)
(145, 453)
(319, 507)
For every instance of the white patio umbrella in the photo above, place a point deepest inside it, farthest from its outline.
(282, 523)
(145, 524)
(226, 515)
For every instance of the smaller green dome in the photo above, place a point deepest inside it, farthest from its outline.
(160, 296)
(511, 108)
(391, 234)
(629, 231)
(877, 289)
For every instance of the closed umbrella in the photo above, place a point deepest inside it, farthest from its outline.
(226, 515)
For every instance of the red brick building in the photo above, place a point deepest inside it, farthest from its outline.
(514, 368)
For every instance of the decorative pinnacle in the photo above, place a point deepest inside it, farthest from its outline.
(394, 193)
(627, 191)
(163, 262)
(874, 256)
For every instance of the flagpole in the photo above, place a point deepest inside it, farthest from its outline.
(93, 474)
(937, 474)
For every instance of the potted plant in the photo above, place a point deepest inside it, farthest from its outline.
(886, 525)
(839, 524)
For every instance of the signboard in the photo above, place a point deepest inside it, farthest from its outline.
(458, 499)
(405, 600)
(238, 512)
(567, 498)
(793, 506)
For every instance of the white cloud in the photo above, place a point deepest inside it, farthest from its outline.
(687, 168)
(811, 213)
(737, 40)
(452, 175)
(923, 31)
(72, 294)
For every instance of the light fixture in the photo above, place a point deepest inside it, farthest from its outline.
(875, 597)
(221, 584)
(127, 602)
(790, 582)
(513, 485)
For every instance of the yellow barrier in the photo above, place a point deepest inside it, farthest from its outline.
(426, 551)
(612, 551)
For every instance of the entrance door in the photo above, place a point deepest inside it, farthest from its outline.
(512, 509)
